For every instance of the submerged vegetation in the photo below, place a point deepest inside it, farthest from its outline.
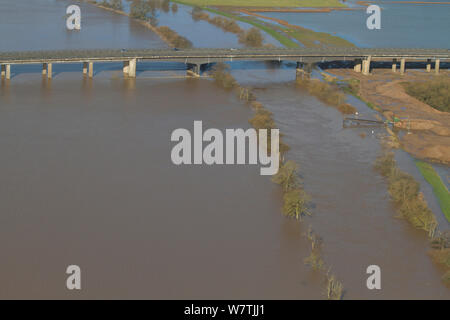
(435, 93)
(328, 93)
(250, 38)
(410, 205)
(296, 202)
(145, 11)
(440, 253)
(405, 193)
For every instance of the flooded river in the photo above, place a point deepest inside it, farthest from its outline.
(87, 179)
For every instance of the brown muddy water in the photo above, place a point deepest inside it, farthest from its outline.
(352, 211)
(86, 179)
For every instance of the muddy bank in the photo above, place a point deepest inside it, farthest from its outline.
(429, 130)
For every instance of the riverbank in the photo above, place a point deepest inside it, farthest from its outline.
(428, 132)
(166, 34)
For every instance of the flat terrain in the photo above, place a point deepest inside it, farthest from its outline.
(266, 3)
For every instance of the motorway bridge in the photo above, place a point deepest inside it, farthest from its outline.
(196, 58)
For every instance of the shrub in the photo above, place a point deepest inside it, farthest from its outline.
(287, 176)
(435, 93)
(251, 38)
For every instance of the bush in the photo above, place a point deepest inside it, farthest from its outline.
(251, 38)
(328, 93)
(287, 176)
(405, 193)
(222, 77)
(174, 38)
(296, 204)
(435, 93)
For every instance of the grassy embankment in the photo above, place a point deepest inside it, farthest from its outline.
(296, 201)
(439, 188)
(435, 93)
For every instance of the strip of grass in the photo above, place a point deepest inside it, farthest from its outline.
(267, 3)
(285, 41)
(439, 188)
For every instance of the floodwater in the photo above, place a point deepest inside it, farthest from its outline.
(402, 25)
(351, 206)
(41, 25)
(87, 179)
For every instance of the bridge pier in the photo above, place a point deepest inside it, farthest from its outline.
(394, 65)
(49, 70)
(366, 66)
(304, 69)
(194, 69)
(357, 65)
(428, 65)
(402, 66)
(91, 70)
(44, 69)
(8, 72)
(436, 65)
(132, 68)
(85, 68)
(3, 71)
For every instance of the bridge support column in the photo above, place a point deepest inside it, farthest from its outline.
(44, 69)
(8, 72)
(436, 66)
(402, 66)
(49, 70)
(428, 65)
(194, 69)
(357, 65)
(126, 68)
(132, 68)
(366, 66)
(3, 71)
(91, 70)
(394, 65)
(85, 68)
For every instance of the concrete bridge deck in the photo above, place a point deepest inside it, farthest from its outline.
(362, 57)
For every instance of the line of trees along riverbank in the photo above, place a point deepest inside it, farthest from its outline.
(296, 202)
(145, 12)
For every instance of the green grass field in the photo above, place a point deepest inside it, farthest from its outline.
(439, 188)
(266, 3)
